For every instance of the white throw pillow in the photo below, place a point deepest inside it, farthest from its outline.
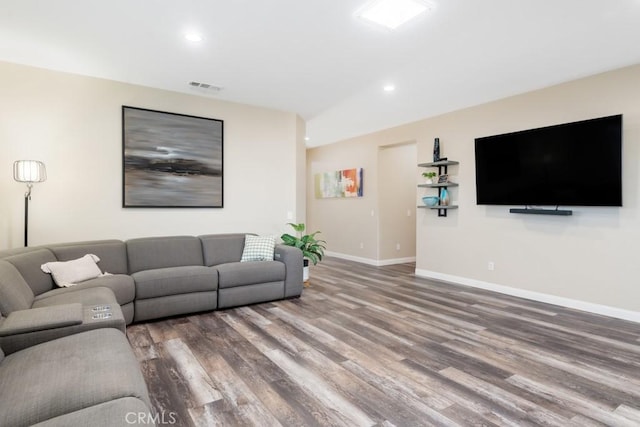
(258, 248)
(69, 273)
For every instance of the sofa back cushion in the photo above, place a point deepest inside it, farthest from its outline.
(149, 253)
(112, 254)
(28, 264)
(222, 248)
(15, 294)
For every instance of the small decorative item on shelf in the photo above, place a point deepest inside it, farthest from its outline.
(436, 150)
(444, 197)
(429, 177)
(443, 179)
(430, 200)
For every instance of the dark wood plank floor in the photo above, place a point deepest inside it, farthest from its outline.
(377, 346)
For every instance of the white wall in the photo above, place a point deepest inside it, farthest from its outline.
(590, 257)
(73, 124)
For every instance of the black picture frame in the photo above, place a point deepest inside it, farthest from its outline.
(171, 160)
(442, 179)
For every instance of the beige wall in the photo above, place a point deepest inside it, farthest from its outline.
(301, 174)
(352, 227)
(73, 124)
(591, 256)
(349, 225)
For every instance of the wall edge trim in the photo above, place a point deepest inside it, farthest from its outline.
(369, 261)
(605, 310)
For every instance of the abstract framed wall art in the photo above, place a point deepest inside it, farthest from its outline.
(342, 183)
(171, 160)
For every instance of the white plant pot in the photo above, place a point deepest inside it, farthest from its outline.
(305, 270)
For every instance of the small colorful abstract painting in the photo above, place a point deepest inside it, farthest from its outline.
(343, 183)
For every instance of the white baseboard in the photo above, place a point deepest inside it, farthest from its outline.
(604, 310)
(369, 261)
(393, 261)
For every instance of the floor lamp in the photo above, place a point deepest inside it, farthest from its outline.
(29, 172)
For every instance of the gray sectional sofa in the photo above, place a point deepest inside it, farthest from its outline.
(90, 378)
(70, 341)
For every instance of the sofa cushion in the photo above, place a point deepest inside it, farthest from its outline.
(15, 294)
(249, 273)
(258, 248)
(174, 280)
(222, 248)
(250, 294)
(115, 413)
(85, 296)
(121, 284)
(70, 273)
(150, 253)
(28, 264)
(112, 253)
(67, 375)
(173, 305)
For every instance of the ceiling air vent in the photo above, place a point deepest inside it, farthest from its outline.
(205, 86)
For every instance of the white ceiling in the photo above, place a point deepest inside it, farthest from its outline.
(317, 59)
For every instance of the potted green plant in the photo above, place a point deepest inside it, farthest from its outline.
(429, 176)
(312, 248)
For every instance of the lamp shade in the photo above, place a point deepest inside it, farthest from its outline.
(29, 171)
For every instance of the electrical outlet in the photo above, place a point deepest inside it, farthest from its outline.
(289, 215)
(408, 212)
(361, 245)
(491, 266)
(397, 246)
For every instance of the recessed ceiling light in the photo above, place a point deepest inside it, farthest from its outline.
(193, 37)
(393, 13)
(389, 88)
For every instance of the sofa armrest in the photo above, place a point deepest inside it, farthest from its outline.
(26, 328)
(292, 259)
(40, 319)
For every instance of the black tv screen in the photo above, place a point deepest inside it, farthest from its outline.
(572, 164)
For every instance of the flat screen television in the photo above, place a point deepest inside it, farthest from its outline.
(571, 164)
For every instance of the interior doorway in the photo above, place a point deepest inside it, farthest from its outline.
(397, 203)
